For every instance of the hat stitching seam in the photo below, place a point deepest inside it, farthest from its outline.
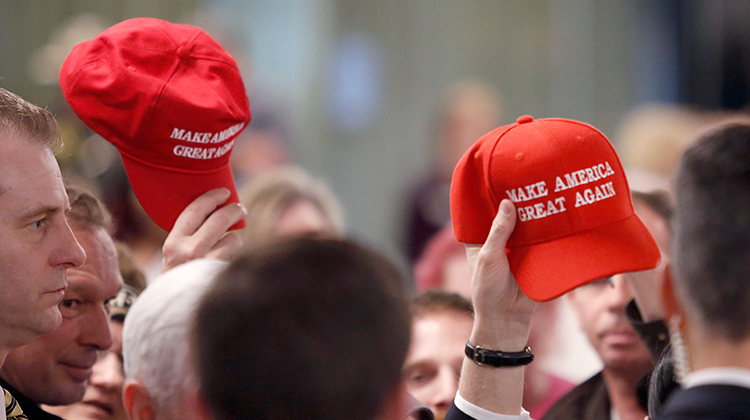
(172, 53)
(149, 114)
(491, 189)
(79, 71)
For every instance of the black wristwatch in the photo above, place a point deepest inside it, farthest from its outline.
(497, 358)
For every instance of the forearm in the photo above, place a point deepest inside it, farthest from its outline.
(496, 389)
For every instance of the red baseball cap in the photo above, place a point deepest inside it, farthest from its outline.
(171, 100)
(575, 215)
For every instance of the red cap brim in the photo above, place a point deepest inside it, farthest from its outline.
(165, 194)
(548, 270)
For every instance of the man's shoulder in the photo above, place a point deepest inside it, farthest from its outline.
(708, 401)
(586, 401)
(31, 409)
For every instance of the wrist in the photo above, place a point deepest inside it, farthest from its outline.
(510, 336)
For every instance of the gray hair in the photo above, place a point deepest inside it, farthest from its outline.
(156, 335)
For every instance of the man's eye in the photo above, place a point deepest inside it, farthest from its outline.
(419, 377)
(70, 303)
(38, 224)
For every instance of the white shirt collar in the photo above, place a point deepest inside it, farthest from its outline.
(480, 413)
(718, 376)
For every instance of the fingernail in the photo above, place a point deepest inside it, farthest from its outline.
(244, 210)
(506, 208)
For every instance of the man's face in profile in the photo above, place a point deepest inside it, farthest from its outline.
(36, 244)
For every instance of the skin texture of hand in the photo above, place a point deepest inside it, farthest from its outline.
(502, 320)
(201, 230)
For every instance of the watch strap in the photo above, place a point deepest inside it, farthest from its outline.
(496, 358)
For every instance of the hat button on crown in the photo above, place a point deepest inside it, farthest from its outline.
(523, 119)
(184, 51)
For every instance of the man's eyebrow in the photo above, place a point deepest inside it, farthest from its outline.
(41, 211)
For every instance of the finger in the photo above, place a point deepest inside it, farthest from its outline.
(196, 212)
(200, 243)
(218, 223)
(502, 227)
(226, 247)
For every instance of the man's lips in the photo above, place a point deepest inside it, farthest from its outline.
(79, 372)
(620, 336)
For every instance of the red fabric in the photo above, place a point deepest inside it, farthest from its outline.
(171, 100)
(556, 246)
(429, 269)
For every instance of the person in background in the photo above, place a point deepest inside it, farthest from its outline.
(469, 109)
(707, 300)
(159, 382)
(333, 349)
(443, 265)
(441, 324)
(103, 397)
(288, 201)
(619, 391)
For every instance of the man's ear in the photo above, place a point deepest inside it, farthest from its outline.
(670, 301)
(137, 401)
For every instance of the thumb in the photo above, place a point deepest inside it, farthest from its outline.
(502, 226)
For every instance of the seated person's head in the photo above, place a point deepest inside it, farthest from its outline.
(159, 383)
(305, 328)
(441, 325)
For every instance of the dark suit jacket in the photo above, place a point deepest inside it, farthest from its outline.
(30, 408)
(456, 414)
(588, 401)
(707, 402)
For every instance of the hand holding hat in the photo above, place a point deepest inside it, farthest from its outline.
(575, 216)
(171, 100)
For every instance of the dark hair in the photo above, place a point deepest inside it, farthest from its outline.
(434, 301)
(304, 328)
(711, 251)
(661, 383)
(20, 116)
(658, 200)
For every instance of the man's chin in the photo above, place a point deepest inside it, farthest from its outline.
(53, 321)
(46, 322)
(71, 394)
